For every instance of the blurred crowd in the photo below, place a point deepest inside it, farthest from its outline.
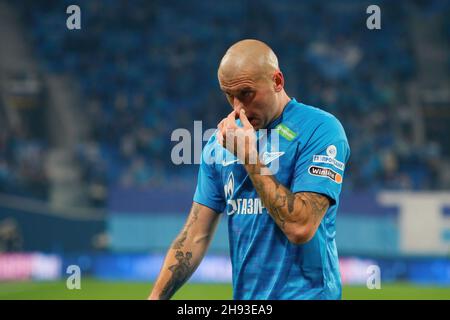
(23, 144)
(11, 239)
(148, 67)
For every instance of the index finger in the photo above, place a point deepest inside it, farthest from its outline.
(231, 119)
(244, 120)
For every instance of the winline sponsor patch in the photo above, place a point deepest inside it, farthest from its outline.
(325, 172)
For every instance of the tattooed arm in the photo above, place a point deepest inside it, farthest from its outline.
(297, 214)
(186, 252)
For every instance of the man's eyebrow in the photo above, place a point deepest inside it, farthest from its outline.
(237, 90)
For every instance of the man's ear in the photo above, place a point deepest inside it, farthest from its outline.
(278, 81)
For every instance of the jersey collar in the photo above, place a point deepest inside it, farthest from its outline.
(279, 119)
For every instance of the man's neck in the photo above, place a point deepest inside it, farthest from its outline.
(283, 102)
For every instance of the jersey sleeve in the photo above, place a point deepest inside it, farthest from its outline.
(321, 162)
(209, 191)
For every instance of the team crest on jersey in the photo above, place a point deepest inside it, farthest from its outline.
(268, 157)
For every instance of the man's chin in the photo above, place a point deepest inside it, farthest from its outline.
(259, 126)
(256, 124)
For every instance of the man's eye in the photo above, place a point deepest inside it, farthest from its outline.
(246, 94)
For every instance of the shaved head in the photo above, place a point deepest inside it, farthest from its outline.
(251, 57)
(252, 81)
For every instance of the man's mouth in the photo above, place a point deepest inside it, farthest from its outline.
(253, 121)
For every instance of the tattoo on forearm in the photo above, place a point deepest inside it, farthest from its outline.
(278, 205)
(179, 242)
(180, 273)
(318, 203)
(183, 269)
(285, 206)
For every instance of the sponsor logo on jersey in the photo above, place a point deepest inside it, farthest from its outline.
(240, 205)
(325, 172)
(229, 187)
(227, 163)
(285, 132)
(245, 206)
(327, 159)
(332, 151)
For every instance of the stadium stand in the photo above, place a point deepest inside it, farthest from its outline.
(145, 68)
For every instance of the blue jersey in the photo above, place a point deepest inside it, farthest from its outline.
(313, 151)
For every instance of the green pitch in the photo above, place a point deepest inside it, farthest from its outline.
(96, 289)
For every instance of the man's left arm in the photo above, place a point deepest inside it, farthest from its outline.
(297, 214)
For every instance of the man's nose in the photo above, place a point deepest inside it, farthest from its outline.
(237, 105)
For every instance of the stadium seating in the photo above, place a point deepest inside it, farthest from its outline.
(148, 67)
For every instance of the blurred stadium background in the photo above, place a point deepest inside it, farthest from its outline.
(86, 118)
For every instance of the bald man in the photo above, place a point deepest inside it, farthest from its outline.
(281, 220)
